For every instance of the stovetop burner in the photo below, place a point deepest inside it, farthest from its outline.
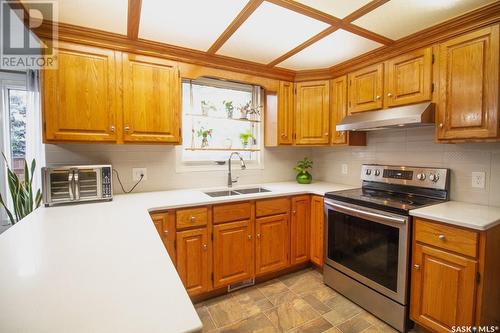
(397, 189)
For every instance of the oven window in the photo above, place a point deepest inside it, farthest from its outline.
(365, 247)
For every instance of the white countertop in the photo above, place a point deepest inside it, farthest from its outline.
(102, 267)
(462, 214)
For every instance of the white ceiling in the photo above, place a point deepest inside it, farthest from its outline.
(270, 31)
(193, 24)
(329, 51)
(337, 8)
(400, 18)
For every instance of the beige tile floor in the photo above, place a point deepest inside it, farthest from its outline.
(298, 303)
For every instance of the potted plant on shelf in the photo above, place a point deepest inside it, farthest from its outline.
(302, 167)
(247, 111)
(228, 105)
(204, 134)
(245, 138)
(207, 106)
(21, 192)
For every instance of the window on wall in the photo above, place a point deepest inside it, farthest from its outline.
(220, 117)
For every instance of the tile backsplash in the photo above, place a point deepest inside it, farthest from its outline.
(416, 147)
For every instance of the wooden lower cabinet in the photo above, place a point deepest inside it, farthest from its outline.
(443, 289)
(300, 229)
(272, 249)
(317, 230)
(193, 260)
(454, 278)
(165, 225)
(233, 252)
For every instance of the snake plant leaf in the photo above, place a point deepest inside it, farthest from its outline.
(38, 198)
(9, 214)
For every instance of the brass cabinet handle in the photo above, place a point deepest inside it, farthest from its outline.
(294, 212)
(205, 247)
(249, 237)
(283, 135)
(326, 133)
(258, 236)
(193, 218)
(389, 95)
(416, 266)
(127, 128)
(377, 97)
(441, 125)
(112, 128)
(442, 237)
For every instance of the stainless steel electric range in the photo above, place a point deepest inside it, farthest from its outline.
(368, 236)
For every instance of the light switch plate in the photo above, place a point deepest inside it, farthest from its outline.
(137, 172)
(345, 169)
(478, 179)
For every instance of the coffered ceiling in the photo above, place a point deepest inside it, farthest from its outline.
(292, 35)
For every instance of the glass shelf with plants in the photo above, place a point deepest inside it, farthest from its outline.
(218, 120)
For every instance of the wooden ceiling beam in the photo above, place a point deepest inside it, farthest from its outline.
(302, 46)
(307, 11)
(367, 34)
(245, 13)
(371, 6)
(134, 18)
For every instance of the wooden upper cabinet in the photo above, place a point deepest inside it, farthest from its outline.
(468, 86)
(408, 78)
(233, 252)
(300, 229)
(312, 114)
(285, 113)
(366, 89)
(272, 247)
(151, 93)
(80, 101)
(442, 289)
(317, 230)
(193, 260)
(338, 100)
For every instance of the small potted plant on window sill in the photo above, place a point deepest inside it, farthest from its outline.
(245, 138)
(204, 134)
(228, 105)
(207, 106)
(303, 175)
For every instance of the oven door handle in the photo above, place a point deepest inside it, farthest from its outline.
(364, 214)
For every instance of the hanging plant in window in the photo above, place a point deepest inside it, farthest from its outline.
(204, 134)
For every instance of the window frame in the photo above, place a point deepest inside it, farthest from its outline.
(206, 165)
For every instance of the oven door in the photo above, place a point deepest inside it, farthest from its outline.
(370, 246)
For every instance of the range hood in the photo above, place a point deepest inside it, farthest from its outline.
(404, 116)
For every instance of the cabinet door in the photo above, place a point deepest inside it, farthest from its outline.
(468, 83)
(408, 78)
(317, 230)
(233, 252)
(192, 260)
(339, 109)
(272, 247)
(80, 96)
(443, 289)
(285, 113)
(151, 94)
(366, 89)
(165, 225)
(300, 229)
(312, 113)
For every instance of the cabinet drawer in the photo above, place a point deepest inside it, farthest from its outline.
(272, 207)
(192, 217)
(447, 237)
(232, 212)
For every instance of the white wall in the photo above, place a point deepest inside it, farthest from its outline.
(416, 147)
(160, 164)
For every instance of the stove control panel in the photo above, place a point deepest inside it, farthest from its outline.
(436, 178)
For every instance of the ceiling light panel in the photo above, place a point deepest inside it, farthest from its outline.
(270, 32)
(337, 8)
(109, 15)
(193, 24)
(329, 51)
(404, 17)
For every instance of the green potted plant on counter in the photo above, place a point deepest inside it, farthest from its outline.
(303, 175)
(21, 192)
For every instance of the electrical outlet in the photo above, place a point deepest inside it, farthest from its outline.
(344, 169)
(137, 172)
(478, 179)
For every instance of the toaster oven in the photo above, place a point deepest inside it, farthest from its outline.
(73, 184)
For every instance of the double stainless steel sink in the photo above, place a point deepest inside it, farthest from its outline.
(228, 193)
